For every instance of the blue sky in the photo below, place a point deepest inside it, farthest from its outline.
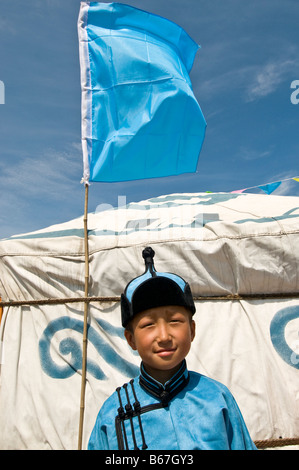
(241, 77)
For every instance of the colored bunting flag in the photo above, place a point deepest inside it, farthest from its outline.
(267, 188)
(140, 118)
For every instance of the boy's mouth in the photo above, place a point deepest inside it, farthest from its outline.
(165, 352)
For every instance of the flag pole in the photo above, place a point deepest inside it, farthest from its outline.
(84, 349)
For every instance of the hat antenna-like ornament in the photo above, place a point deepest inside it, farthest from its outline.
(154, 289)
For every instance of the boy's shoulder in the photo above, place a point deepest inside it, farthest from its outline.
(205, 379)
(204, 384)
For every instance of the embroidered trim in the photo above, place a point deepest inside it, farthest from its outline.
(129, 414)
(170, 389)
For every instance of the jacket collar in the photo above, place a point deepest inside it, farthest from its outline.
(171, 388)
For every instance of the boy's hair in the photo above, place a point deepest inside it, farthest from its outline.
(153, 289)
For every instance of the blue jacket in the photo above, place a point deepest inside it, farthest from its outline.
(191, 411)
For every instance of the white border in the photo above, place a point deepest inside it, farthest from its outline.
(86, 116)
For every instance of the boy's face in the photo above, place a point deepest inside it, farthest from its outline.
(162, 336)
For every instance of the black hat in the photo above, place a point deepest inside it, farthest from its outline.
(153, 289)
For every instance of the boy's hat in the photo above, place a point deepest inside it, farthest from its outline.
(153, 289)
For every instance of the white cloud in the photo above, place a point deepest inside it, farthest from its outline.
(43, 175)
(39, 190)
(267, 78)
(248, 154)
(251, 81)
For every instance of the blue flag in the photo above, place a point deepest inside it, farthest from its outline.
(140, 118)
(270, 187)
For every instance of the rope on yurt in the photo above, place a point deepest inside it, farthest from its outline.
(116, 298)
(272, 443)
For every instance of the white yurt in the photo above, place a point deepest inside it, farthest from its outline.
(239, 254)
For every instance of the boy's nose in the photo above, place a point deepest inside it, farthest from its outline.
(163, 334)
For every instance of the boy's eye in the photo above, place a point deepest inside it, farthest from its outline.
(176, 319)
(146, 324)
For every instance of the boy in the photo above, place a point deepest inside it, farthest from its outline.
(166, 407)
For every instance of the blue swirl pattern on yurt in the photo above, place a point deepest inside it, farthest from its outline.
(71, 346)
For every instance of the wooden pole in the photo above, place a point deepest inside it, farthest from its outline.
(85, 327)
(1, 311)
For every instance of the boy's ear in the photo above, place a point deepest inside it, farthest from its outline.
(130, 339)
(193, 329)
